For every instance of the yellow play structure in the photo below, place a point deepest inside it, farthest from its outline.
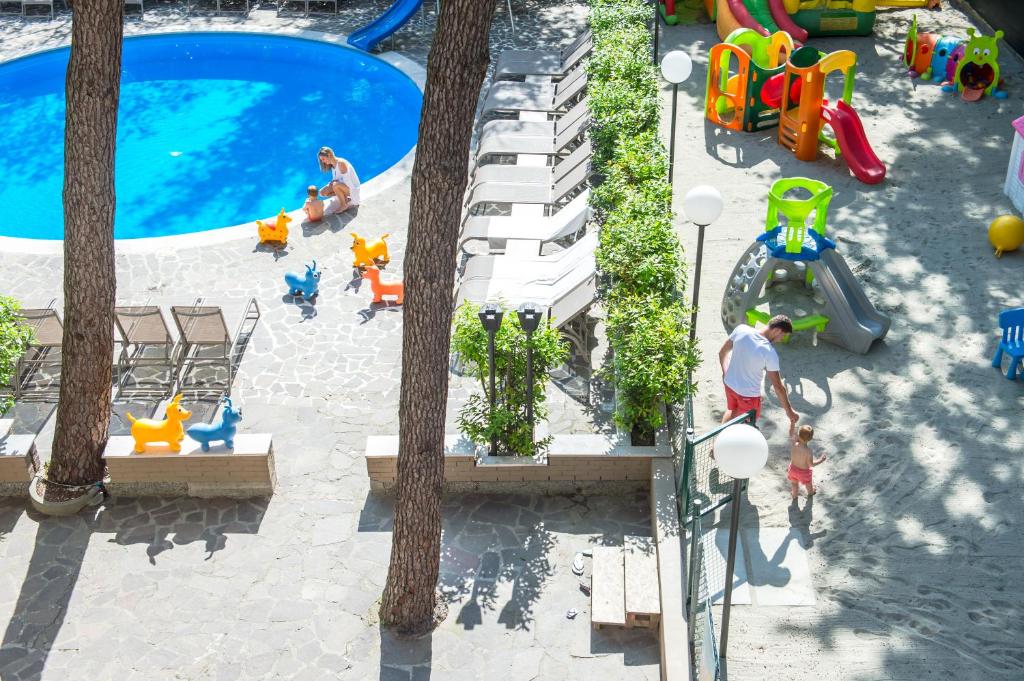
(276, 231)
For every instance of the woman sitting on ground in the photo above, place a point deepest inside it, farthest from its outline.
(344, 184)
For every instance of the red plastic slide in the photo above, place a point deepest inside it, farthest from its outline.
(771, 91)
(853, 143)
(743, 17)
(781, 17)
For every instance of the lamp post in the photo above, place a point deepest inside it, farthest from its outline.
(741, 452)
(676, 67)
(490, 316)
(702, 205)
(529, 318)
(654, 53)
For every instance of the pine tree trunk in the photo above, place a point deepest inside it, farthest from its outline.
(455, 71)
(92, 86)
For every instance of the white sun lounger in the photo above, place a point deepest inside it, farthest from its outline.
(517, 63)
(497, 230)
(535, 95)
(564, 284)
(531, 173)
(494, 197)
(561, 144)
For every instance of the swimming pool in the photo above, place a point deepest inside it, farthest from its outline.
(214, 130)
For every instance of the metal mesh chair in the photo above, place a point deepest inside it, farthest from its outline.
(42, 353)
(146, 343)
(204, 341)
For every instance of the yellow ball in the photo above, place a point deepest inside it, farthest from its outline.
(1006, 233)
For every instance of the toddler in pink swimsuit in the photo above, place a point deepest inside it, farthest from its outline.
(801, 461)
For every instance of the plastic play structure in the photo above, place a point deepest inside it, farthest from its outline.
(380, 289)
(169, 430)
(1006, 233)
(367, 37)
(221, 430)
(802, 18)
(680, 11)
(274, 232)
(970, 67)
(1014, 185)
(304, 285)
(795, 249)
(801, 126)
(366, 254)
(740, 101)
(752, 98)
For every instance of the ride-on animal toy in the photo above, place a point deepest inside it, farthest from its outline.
(277, 232)
(381, 289)
(222, 429)
(366, 254)
(169, 430)
(304, 285)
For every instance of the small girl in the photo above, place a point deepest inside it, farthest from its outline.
(314, 207)
(801, 461)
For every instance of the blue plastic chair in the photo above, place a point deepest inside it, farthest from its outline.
(1012, 343)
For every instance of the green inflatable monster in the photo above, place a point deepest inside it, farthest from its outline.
(977, 73)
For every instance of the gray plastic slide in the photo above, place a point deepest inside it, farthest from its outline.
(854, 323)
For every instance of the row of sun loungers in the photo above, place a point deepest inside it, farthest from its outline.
(529, 186)
(149, 359)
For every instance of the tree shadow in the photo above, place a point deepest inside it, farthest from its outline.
(60, 547)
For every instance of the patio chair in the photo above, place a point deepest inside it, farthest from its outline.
(225, 6)
(1012, 342)
(146, 342)
(513, 64)
(528, 125)
(506, 97)
(142, 8)
(497, 230)
(524, 173)
(11, 7)
(204, 340)
(42, 353)
(564, 284)
(497, 148)
(48, 4)
(496, 198)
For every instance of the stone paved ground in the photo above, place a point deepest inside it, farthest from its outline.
(286, 588)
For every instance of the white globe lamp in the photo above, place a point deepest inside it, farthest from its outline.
(676, 66)
(702, 205)
(741, 451)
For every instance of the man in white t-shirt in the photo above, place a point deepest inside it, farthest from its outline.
(752, 355)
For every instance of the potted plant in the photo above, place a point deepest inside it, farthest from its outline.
(508, 423)
(14, 338)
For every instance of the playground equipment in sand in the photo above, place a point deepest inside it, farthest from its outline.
(801, 126)
(969, 66)
(752, 98)
(802, 19)
(739, 101)
(795, 249)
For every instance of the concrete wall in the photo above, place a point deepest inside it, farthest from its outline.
(246, 471)
(589, 462)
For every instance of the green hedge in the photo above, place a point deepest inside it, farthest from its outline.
(639, 256)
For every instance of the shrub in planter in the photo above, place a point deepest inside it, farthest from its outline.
(14, 338)
(652, 359)
(508, 422)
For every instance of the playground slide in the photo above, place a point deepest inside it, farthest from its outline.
(853, 143)
(854, 323)
(782, 18)
(743, 17)
(367, 37)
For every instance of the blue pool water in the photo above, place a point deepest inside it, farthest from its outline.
(214, 129)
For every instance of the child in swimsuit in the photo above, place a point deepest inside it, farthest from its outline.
(314, 207)
(801, 461)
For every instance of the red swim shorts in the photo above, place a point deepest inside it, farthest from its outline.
(803, 475)
(741, 403)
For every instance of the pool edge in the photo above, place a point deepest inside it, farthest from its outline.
(380, 183)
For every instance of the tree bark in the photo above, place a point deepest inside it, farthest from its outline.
(92, 90)
(455, 71)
